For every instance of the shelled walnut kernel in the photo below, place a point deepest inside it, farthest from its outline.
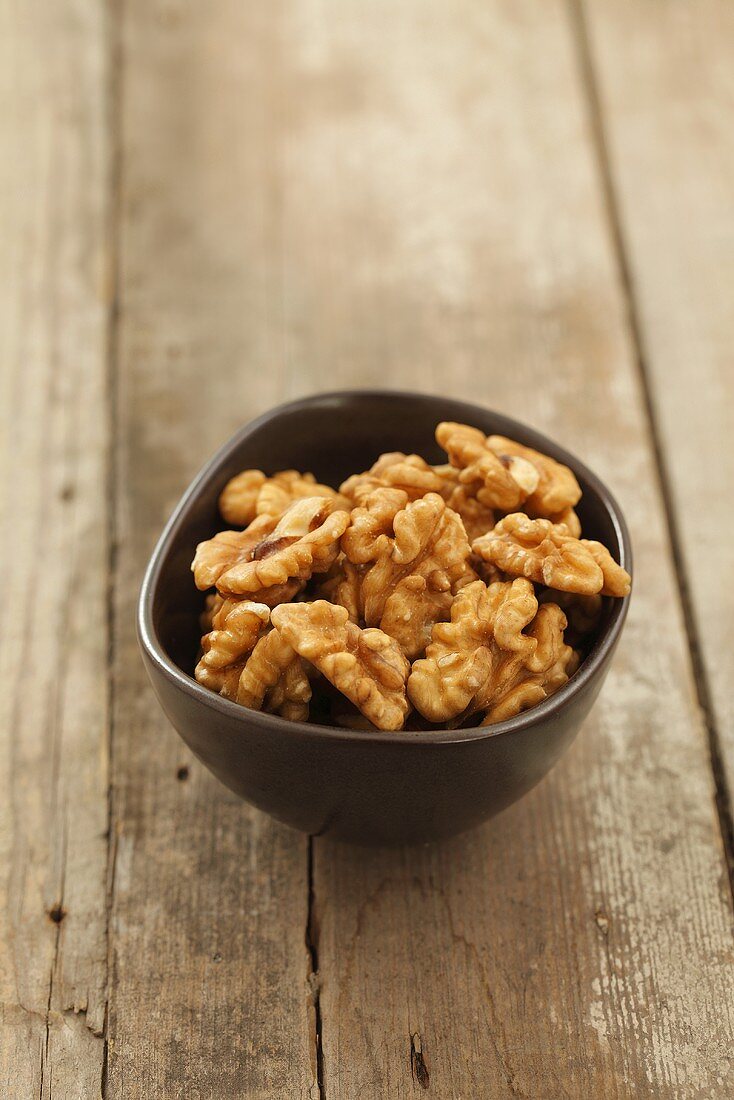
(415, 595)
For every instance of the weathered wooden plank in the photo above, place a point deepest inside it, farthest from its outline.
(445, 227)
(211, 995)
(665, 86)
(54, 311)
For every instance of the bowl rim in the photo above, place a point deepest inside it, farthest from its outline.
(547, 709)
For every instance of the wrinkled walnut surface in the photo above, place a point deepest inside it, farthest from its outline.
(216, 557)
(415, 554)
(343, 585)
(474, 571)
(502, 482)
(557, 488)
(281, 491)
(271, 564)
(252, 493)
(546, 553)
(394, 470)
(499, 654)
(238, 498)
(234, 629)
(366, 666)
(274, 679)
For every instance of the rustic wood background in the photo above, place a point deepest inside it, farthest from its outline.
(205, 209)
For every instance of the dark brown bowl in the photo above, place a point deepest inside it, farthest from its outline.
(376, 788)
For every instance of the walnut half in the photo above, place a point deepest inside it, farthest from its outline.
(235, 628)
(274, 679)
(366, 666)
(414, 555)
(500, 481)
(394, 470)
(268, 561)
(252, 493)
(498, 655)
(557, 488)
(546, 553)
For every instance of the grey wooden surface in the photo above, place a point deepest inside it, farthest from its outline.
(205, 210)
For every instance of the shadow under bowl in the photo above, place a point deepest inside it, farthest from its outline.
(365, 787)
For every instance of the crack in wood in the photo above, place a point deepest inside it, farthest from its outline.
(314, 980)
(112, 354)
(56, 913)
(722, 794)
(418, 1067)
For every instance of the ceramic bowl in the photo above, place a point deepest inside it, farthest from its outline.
(366, 787)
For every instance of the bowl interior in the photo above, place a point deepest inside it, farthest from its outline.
(333, 436)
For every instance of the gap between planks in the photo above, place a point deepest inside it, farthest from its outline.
(314, 976)
(600, 147)
(115, 69)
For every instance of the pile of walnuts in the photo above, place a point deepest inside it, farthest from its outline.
(416, 596)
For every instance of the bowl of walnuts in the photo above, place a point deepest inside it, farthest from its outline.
(382, 617)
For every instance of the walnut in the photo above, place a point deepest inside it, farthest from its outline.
(477, 518)
(411, 612)
(217, 556)
(371, 528)
(252, 493)
(274, 679)
(343, 585)
(557, 487)
(416, 555)
(238, 499)
(448, 476)
(235, 628)
(502, 482)
(366, 666)
(222, 681)
(281, 490)
(394, 470)
(546, 553)
(617, 580)
(558, 663)
(459, 660)
(569, 518)
(497, 641)
(275, 567)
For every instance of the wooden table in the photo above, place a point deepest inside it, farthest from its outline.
(207, 208)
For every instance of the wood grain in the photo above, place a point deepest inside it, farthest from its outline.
(664, 75)
(300, 196)
(581, 944)
(54, 311)
(211, 993)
